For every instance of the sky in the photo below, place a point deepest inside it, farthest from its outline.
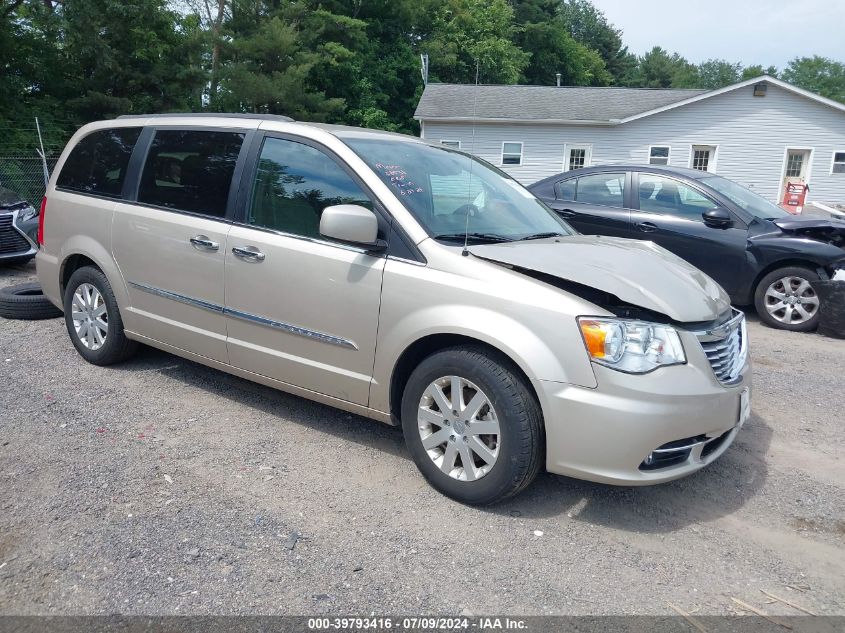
(766, 32)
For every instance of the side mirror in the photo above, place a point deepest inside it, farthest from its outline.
(352, 224)
(718, 218)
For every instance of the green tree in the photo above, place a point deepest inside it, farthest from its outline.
(757, 70)
(470, 32)
(589, 26)
(817, 74)
(553, 51)
(658, 69)
(269, 73)
(716, 73)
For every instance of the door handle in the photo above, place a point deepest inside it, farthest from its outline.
(567, 213)
(248, 253)
(202, 243)
(647, 227)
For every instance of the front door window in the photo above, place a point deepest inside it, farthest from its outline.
(795, 165)
(294, 183)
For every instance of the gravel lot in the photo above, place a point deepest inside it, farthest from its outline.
(163, 487)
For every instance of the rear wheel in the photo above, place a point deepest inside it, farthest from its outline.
(472, 425)
(93, 320)
(785, 299)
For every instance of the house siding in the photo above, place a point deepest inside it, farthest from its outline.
(751, 135)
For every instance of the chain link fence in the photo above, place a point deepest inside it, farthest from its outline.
(25, 176)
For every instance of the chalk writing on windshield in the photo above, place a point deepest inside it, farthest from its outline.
(398, 177)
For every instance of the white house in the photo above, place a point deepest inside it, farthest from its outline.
(758, 132)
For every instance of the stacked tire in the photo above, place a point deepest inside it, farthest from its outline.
(26, 301)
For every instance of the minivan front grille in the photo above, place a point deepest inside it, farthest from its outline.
(726, 347)
(11, 241)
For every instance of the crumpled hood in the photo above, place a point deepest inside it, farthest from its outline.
(827, 230)
(640, 273)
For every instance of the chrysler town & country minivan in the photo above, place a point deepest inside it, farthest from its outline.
(402, 281)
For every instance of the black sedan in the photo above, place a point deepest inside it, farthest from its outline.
(758, 252)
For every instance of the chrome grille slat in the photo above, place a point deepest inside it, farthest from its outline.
(726, 347)
(11, 241)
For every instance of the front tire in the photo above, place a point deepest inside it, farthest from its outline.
(785, 299)
(93, 320)
(472, 425)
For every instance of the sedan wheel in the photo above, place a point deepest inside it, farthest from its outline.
(785, 299)
(791, 300)
(90, 316)
(459, 428)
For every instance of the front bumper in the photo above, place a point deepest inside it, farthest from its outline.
(606, 434)
(17, 237)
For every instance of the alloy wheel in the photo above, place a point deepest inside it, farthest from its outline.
(791, 300)
(90, 316)
(459, 428)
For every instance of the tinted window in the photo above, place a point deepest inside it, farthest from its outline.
(293, 185)
(97, 164)
(565, 190)
(190, 170)
(603, 189)
(666, 196)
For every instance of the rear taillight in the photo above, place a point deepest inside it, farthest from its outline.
(41, 221)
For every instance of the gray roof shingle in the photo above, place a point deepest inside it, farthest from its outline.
(534, 103)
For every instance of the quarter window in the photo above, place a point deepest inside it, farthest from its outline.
(658, 194)
(658, 155)
(97, 165)
(603, 189)
(838, 163)
(294, 183)
(511, 153)
(565, 190)
(190, 170)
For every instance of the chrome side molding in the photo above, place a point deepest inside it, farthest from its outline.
(246, 316)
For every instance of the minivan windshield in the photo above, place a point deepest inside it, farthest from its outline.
(450, 192)
(752, 202)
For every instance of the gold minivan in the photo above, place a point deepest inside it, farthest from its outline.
(403, 281)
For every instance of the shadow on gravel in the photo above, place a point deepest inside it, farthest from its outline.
(320, 417)
(718, 490)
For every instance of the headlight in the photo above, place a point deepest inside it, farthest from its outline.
(635, 347)
(27, 213)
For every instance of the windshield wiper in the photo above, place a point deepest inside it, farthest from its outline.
(542, 236)
(477, 237)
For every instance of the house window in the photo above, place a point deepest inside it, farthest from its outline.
(703, 157)
(658, 155)
(838, 163)
(577, 156)
(455, 144)
(511, 153)
(794, 164)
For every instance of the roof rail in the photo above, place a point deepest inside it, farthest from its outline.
(238, 115)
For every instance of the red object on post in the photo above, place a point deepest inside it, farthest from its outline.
(794, 196)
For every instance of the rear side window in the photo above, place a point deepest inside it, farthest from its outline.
(97, 165)
(604, 189)
(565, 190)
(190, 170)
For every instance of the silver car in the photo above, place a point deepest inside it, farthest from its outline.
(402, 281)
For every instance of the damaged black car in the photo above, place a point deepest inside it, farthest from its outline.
(760, 254)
